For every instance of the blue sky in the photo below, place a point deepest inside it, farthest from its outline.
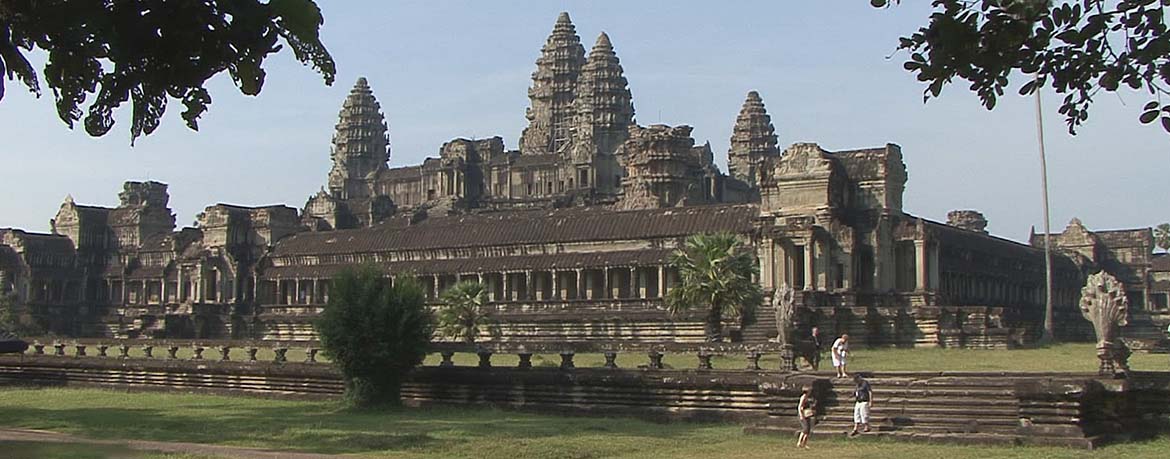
(446, 69)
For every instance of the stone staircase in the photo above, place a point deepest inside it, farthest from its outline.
(930, 407)
(763, 329)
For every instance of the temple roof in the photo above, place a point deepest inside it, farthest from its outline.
(525, 227)
(629, 258)
(1160, 262)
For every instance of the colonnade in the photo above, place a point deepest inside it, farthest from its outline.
(627, 282)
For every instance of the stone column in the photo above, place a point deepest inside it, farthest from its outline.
(662, 281)
(768, 264)
(556, 285)
(607, 283)
(847, 267)
(580, 284)
(824, 259)
(920, 265)
(199, 287)
(809, 266)
(934, 268)
(507, 287)
(640, 273)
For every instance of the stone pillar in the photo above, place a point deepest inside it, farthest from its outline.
(662, 281)
(580, 273)
(809, 266)
(199, 287)
(847, 267)
(934, 268)
(768, 264)
(586, 286)
(507, 287)
(530, 286)
(297, 291)
(920, 265)
(643, 290)
(607, 283)
(556, 285)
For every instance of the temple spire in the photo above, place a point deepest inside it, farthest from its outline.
(604, 113)
(361, 145)
(550, 114)
(752, 140)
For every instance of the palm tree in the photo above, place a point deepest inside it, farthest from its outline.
(463, 316)
(717, 273)
(1162, 237)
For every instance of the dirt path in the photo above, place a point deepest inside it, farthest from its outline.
(44, 436)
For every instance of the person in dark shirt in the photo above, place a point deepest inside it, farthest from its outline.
(814, 357)
(862, 398)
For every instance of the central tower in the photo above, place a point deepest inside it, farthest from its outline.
(550, 116)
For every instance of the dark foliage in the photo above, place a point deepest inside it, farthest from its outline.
(374, 332)
(144, 51)
(1079, 48)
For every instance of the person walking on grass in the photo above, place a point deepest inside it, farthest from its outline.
(806, 411)
(840, 351)
(862, 400)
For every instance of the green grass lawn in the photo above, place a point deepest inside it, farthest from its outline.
(1079, 357)
(457, 432)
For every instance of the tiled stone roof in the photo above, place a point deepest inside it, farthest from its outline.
(525, 227)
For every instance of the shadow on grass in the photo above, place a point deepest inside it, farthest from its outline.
(22, 449)
(318, 427)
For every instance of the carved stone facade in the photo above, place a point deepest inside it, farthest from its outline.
(572, 235)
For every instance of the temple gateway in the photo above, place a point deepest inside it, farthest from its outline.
(571, 233)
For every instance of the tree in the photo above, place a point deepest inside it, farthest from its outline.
(10, 318)
(374, 332)
(463, 315)
(1079, 48)
(1162, 237)
(147, 51)
(717, 273)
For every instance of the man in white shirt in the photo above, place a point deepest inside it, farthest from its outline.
(840, 352)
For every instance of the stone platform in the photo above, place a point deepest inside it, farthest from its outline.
(1066, 409)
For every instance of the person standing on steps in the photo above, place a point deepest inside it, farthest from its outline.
(840, 352)
(862, 399)
(814, 357)
(806, 411)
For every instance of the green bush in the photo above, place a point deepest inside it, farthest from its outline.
(374, 332)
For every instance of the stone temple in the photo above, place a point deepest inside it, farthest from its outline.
(571, 233)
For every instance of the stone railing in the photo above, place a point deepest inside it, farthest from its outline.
(224, 351)
(248, 351)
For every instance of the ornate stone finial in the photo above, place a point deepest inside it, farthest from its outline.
(784, 303)
(604, 112)
(753, 139)
(550, 115)
(1103, 303)
(361, 145)
(969, 220)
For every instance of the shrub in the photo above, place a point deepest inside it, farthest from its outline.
(375, 333)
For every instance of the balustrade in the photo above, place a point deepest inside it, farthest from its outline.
(567, 360)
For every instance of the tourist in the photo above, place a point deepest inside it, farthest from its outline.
(840, 351)
(806, 411)
(862, 399)
(814, 357)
